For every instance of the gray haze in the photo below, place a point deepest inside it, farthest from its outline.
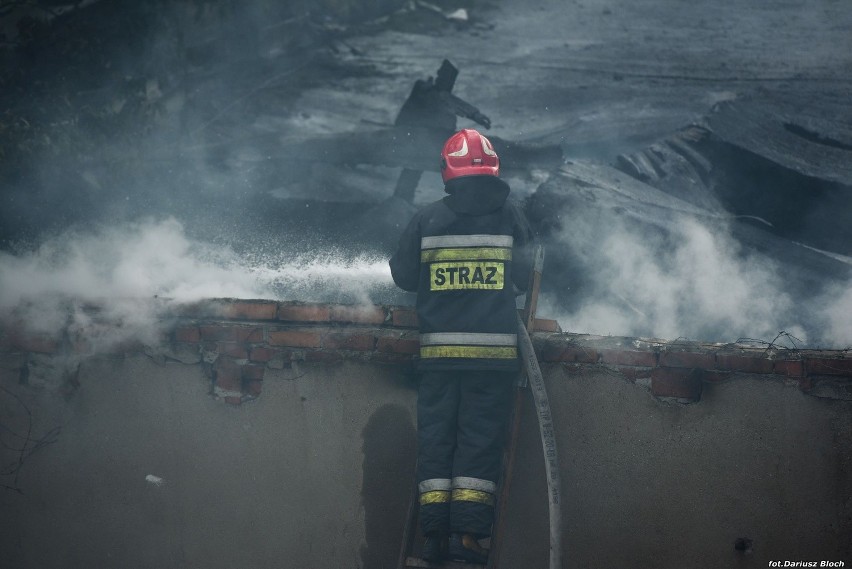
(152, 164)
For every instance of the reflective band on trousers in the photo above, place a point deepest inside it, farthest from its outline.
(465, 495)
(435, 484)
(435, 497)
(471, 483)
(466, 254)
(486, 352)
(444, 241)
(468, 345)
(468, 339)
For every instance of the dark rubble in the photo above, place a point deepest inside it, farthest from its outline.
(253, 129)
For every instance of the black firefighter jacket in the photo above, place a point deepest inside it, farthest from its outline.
(467, 256)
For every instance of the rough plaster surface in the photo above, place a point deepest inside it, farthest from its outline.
(654, 484)
(318, 470)
(275, 483)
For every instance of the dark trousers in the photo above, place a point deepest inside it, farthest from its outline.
(461, 425)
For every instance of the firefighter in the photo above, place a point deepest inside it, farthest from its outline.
(466, 256)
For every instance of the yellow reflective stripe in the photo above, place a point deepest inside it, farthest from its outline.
(489, 352)
(466, 275)
(435, 497)
(471, 253)
(467, 495)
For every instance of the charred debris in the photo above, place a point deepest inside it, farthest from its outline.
(114, 110)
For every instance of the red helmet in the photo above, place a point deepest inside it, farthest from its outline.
(468, 153)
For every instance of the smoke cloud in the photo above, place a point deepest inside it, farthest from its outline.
(188, 121)
(836, 308)
(116, 283)
(693, 281)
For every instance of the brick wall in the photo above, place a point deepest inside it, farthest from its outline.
(238, 340)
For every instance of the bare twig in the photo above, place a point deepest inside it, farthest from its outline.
(30, 445)
(771, 344)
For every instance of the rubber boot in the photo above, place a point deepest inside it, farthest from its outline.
(464, 547)
(435, 548)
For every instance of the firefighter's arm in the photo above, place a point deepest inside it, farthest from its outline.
(405, 263)
(523, 252)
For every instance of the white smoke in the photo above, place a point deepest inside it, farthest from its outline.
(114, 284)
(836, 313)
(696, 283)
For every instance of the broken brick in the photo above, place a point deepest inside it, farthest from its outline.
(228, 375)
(628, 357)
(698, 360)
(560, 352)
(676, 382)
(295, 338)
(744, 364)
(296, 312)
(188, 334)
(633, 373)
(232, 349)
(828, 366)
(348, 341)
(243, 310)
(404, 317)
(789, 368)
(252, 372)
(231, 333)
(261, 354)
(358, 314)
(254, 387)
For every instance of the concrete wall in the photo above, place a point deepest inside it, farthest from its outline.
(316, 469)
(650, 483)
(315, 473)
